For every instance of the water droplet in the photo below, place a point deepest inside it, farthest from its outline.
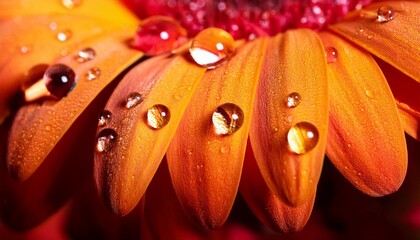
(53, 26)
(212, 47)
(275, 129)
(93, 73)
(64, 35)
(227, 119)
(302, 137)
(133, 99)
(48, 127)
(59, 80)
(104, 118)
(225, 149)
(85, 55)
(106, 140)
(385, 14)
(331, 54)
(159, 34)
(25, 49)
(293, 100)
(158, 116)
(69, 4)
(369, 93)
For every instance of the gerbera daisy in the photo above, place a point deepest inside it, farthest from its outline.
(200, 96)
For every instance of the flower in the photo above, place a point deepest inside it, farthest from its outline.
(282, 91)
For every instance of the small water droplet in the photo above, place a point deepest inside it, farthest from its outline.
(133, 99)
(302, 137)
(53, 26)
(69, 4)
(331, 54)
(293, 100)
(64, 35)
(93, 73)
(85, 55)
(275, 129)
(25, 49)
(104, 118)
(48, 127)
(212, 47)
(158, 116)
(385, 14)
(106, 140)
(359, 174)
(227, 119)
(59, 80)
(225, 149)
(190, 152)
(159, 34)
(369, 93)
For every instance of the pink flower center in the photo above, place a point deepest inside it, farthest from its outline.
(248, 19)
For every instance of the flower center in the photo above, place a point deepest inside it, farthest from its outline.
(248, 19)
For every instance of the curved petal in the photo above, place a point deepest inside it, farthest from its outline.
(124, 172)
(365, 137)
(396, 41)
(38, 127)
(206, 167)
(406, 93)
(266, 205)
(294, 62)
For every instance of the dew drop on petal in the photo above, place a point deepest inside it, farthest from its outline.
(293, 100)
(104, 118)
(385, 14)
(93, 73)
(69, 4)
(227, 119)
(85, 55)
(302, 137)
(212, 47)
(158, 116)
(106, 140)
(133, 99)
(59, 80)
(64, 35)
(331, 54)
(25, 49)
(159, 34)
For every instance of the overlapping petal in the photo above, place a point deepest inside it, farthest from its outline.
(293, 62)
(365, 135)
(205, 167)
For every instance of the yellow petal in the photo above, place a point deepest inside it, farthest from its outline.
(294, 62)
(365, 138)
(266, 205)
(206, 167)
(124, 172)
(396, 41)
(38, 127)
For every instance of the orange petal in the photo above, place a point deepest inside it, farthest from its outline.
(206, 167)
(288, 69)
(30, 41)
(406, 93)
(396, 41)
(124, 172)
(38, 127)
(266, 205)
(366, 140)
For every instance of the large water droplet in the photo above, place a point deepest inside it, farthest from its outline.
(106, 140)
(158, 116)
(385, 14)
(227, 119)
(159, 34)
(212, 47)
(59, 80)
(331, 54)
(104, 118)
(71, 3)
(133, 99)
(93, 73)
(293, 100)
(85, 55)
(302, 137)
(64, 35)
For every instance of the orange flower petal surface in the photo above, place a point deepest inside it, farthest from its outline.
(294, 62)
(124, 172)
(205, 167)
(266, 205)
(395, 41)
(38, 127)
(366, 140)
